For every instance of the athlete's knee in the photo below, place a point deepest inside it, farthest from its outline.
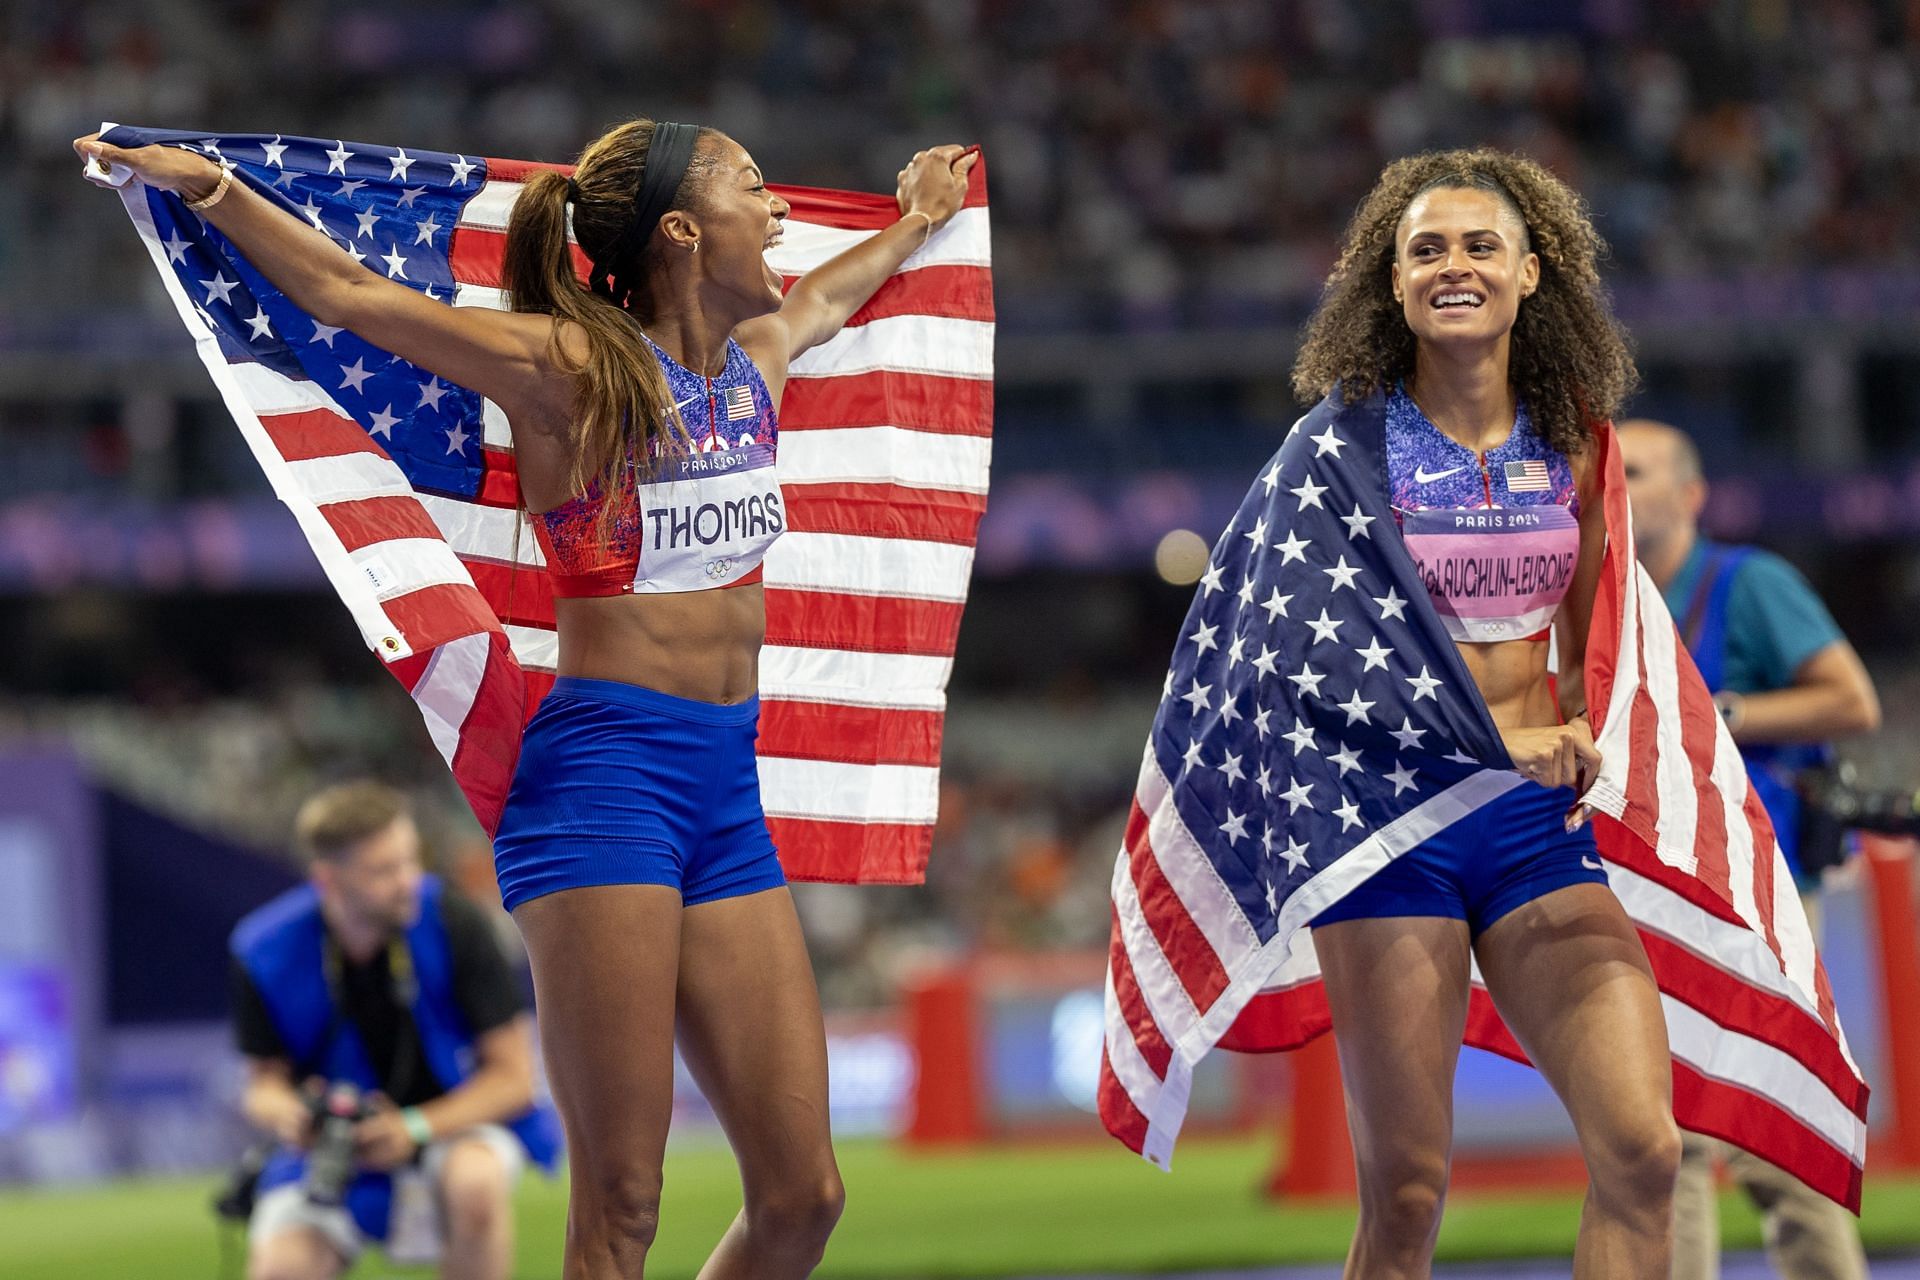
(799, 1215)
(1400, 1202)
(1636, 1162)
(622, 1205)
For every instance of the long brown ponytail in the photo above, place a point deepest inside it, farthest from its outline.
(623, 405)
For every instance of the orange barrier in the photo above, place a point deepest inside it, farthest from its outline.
(943, 1028)
(1319, 1161)
(1891, 881)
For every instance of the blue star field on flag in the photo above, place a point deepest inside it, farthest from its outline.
(1307, 705)
(394, 211)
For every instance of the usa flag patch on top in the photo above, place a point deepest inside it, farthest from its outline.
(1529, 476)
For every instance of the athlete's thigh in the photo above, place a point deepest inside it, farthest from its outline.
(1398, 989)
(750, 1032)
(605, 960)
(1572, 983)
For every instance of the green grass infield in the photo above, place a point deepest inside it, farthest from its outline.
(999, 1212)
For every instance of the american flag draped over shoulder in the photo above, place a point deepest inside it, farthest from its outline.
(1317, 722)
(405, 486)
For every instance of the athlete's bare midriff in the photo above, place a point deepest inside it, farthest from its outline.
(703, 645)
(1512, 677)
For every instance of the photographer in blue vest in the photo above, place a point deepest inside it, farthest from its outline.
(389, 1050)
(1787, 683)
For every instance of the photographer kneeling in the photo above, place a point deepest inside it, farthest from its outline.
(389, 1051)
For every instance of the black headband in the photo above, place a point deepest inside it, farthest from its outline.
(668, 156)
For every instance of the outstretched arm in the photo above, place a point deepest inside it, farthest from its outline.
(932, 188)
(502, 355)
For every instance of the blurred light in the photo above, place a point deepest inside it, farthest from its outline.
(1078, 1032)
(1181, 557)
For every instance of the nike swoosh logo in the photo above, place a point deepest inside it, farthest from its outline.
(1591, 864)
(1422, 476)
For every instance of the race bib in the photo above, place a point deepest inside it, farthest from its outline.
(1494, 573)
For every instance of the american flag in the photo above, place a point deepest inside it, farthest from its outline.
(739, 401)
(1528, 476)
(405, 486)
(1317, 722)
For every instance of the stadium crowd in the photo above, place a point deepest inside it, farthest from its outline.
(1155, 162)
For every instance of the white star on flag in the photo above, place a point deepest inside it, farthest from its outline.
(1423, 685)
(383, 422)
(1292, 549)
(1196, 697)
(1407, 736)
(219, 286)
(1375, 655)
(1342, 574)
(1325, 629)
(1296, 795)
(356, 374)
(1235, 827)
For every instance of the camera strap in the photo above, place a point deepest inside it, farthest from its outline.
(1696, 615)
(403, 989)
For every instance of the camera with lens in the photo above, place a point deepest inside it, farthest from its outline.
(1833, 804)
(331, 1164)
(330, 1161)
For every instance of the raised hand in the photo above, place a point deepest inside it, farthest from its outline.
(934, 183)
(165, 168)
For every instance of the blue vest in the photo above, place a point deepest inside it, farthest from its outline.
(1772, 766)
(282, 947)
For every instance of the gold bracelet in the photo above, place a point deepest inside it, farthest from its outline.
(916, 213)
(218, 193)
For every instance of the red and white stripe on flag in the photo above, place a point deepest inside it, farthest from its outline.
(1759, 1058)
(885, 442)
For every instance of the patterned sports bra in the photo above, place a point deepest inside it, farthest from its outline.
(1495, 537)
(701, 519)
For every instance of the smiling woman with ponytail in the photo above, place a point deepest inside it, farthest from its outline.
(633, 852)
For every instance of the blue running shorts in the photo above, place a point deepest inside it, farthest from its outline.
(618, 784)
(1505, 854)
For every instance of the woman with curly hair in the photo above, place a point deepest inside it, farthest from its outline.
(1466, 312)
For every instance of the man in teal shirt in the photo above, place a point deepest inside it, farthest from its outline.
(1787, 683)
